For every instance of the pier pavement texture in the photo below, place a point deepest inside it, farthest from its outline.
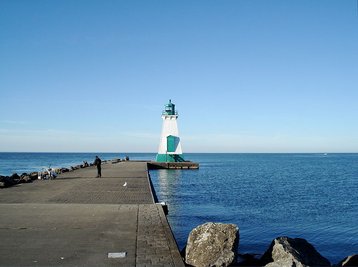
(79, 220)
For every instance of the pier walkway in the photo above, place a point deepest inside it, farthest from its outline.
(79, 220)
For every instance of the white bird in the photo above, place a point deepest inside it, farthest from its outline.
(125, 184)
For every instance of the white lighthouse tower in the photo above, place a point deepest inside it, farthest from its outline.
(169, 146)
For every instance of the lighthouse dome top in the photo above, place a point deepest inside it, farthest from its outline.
(169, 109)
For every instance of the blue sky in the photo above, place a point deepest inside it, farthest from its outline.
(245, 75)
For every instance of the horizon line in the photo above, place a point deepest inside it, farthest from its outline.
(127, 152)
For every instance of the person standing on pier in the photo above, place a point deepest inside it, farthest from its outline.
(98, 162)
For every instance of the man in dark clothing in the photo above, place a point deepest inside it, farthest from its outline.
(98, 162)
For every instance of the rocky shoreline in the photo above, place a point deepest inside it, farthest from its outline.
(217, 244)
(48, 174)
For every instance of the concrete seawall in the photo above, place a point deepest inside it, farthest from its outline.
(79, 220)
(173, 165)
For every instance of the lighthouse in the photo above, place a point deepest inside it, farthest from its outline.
(169, 146)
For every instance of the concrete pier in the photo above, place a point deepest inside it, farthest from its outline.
(79, 220)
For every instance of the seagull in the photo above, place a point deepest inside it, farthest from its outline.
(125, 184)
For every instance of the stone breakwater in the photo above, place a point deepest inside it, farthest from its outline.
(50, 173)
(7, 181)
(217, 244)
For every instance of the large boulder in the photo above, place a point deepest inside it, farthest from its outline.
(15, 177)
(63, 170)
(2, 181)
(34, 175)
(212, 244)
(295, 252)
(349, 261)
(6, 181)
(25, 178)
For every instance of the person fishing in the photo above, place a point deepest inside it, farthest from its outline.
(98, 162)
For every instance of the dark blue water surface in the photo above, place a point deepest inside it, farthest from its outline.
(312, 196)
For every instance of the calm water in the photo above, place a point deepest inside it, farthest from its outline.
(313, 196)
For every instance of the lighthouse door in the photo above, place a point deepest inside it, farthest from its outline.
(171, 143)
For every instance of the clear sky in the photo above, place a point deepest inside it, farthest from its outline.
(245, 75)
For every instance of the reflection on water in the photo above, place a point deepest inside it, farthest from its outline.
(168, 179)
(167, 182)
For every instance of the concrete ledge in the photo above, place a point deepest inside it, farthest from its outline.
(153, 165)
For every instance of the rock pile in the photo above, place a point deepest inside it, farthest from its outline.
(215, 244)
(7, 181)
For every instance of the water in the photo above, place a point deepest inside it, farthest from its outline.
(312, 196)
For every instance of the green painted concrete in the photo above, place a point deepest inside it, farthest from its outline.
(170, 158)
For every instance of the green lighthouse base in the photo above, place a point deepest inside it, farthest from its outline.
(169, 158)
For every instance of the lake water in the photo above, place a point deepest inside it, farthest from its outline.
(312, 196)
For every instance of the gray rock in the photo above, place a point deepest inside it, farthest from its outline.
(295, 252)
(114, 161)
(15, 177)
(6, 181)
(2, 181)
(349, 261)
(34, 175)
(212, 244)
(25, 179)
